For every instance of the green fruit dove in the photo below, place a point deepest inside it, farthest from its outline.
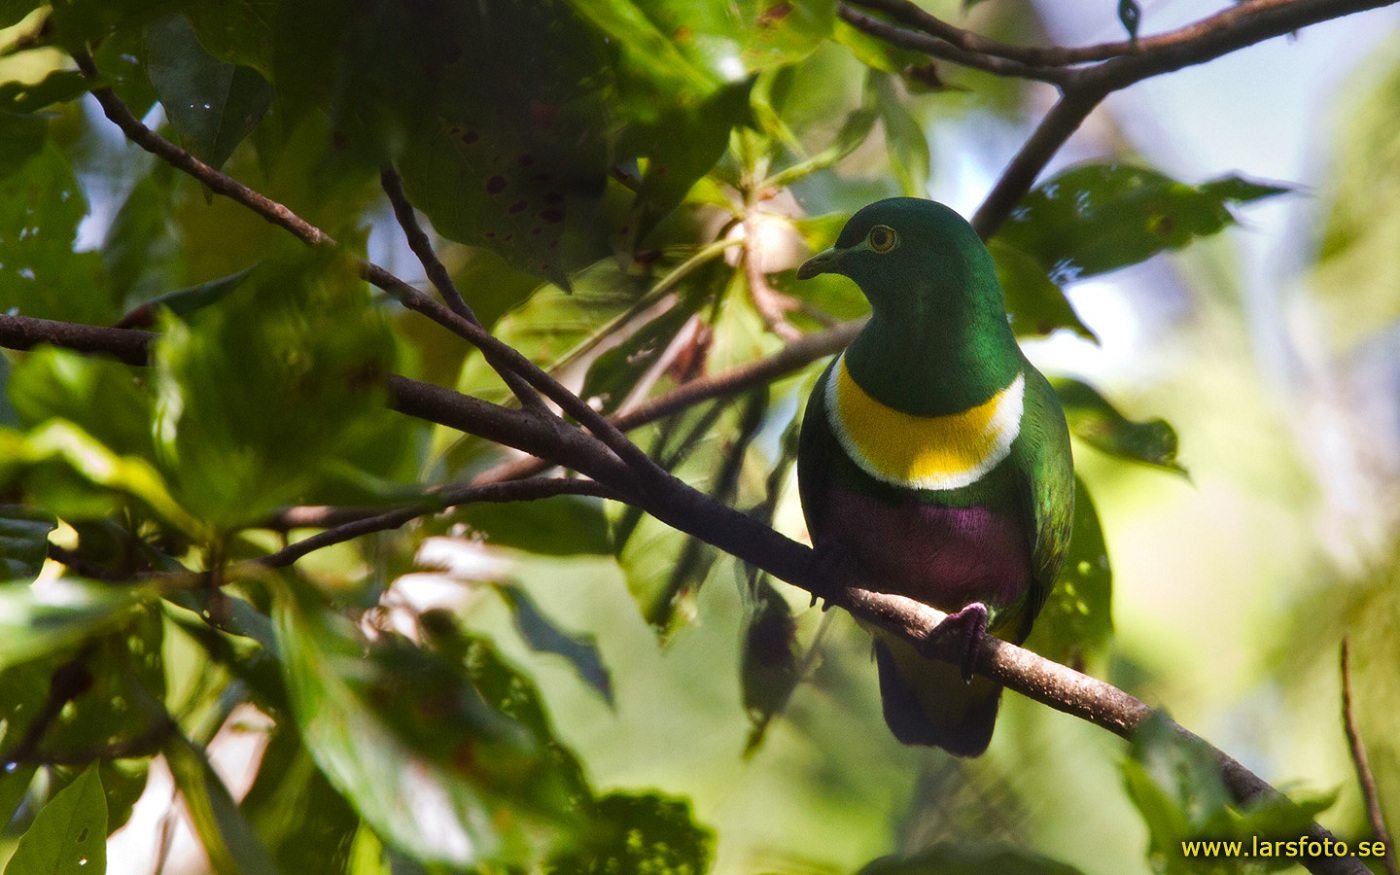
(934, 461)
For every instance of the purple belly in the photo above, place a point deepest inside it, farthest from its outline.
(947, 557)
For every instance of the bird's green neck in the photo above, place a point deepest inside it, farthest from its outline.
(920, 364)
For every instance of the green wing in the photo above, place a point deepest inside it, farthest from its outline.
(1045, 466)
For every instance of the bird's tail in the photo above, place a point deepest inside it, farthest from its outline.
(927, 702)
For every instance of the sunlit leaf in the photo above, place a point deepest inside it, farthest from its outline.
(904, 139)
(69, 836)
(1098, 423)
(59, 86)
(13, 11)
(1036, 304)
(110, 401)
(36, 620)
(263, 396)
(1096, 218)
(421, 747)
(227, 837)
(78, 477)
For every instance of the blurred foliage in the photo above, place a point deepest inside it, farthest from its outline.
(565, 685)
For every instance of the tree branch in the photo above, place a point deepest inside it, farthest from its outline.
(392, 184)
(750, 540)
(1083, 88)
(438, 500)
(1370, 794)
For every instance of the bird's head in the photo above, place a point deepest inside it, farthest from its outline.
(913, 258)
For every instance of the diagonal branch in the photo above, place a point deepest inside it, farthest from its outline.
(437, 273)
(754, 542)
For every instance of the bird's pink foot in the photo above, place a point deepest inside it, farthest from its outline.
(969, 625)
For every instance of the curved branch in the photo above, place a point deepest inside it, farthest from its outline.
(1082, 88)
(752, 541)
(504, 358)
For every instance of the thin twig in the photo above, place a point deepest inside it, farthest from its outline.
(422, 247)
(1364, 776)
(919, 41)
(439, 500)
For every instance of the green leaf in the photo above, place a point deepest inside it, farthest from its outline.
(541, 633)
(1098, 423)
(39, 619)
(24, 540)
(553, 327)
(21, 138)
(1036, 304)
(265, 395)
(970, 860)
(79, 22)
(1174, 780)
(1096, 218)
(143, 248)
(237, 31)
(40, 275)
(1131, 15)
(643, 833)
(110, 401)
(616, 373)
(14, 11)
(60, 86)
(512, 161)
(78, 477)
(227, 837)
(448, 761)
(14, 783)
(1077, 620)
(183, 302)
(565, 525)
(213, 105)
(69, 836)
(904, 140)
(1356, 282)
(307, 826)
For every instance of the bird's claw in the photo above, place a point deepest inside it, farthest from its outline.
(834, 567)
(969, 624)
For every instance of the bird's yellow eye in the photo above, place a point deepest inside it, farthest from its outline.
(883, 238)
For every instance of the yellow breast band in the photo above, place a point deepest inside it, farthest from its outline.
(922, 452)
